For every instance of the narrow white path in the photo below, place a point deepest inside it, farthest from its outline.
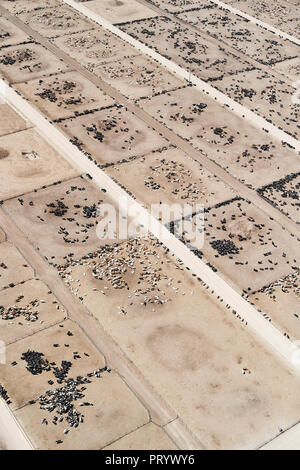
(204, 87)
(12, 436)
(265, 331)
(254, 20)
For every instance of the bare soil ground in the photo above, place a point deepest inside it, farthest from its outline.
(68, 213)
(279, 302)
(10, 121)
(94, 48)
(289, 68)
(284, 194)
(237, 32)
(119, 11)
(65, 359)
(26, 309)
(149, 437)
(241, 149)
(276, 13)
(246, 247)
(170, 177)
(2, 236)
(10, 35)
(265, 95)
(186, 48)
(201, 359)
(137, 77)
(24, 6)
(27, 62)
(64, 95)
(56, 21)
(112, 135)
(29, 163)
(114, 413)
(13, 267)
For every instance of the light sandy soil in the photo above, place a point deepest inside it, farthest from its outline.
(10, 121)
(186, 48)
(137, 77)
(56, 21)
(2, 236)
(237, 32)
(265, 95)
(112, 135)
(284, 194)
(281, 14)
(177, 5)
(199, 357)
(13, 267)
(110, 399)
(68, 213)
(246, 247)
(64, 95)
(29, 163)
(248, 154)
(115, 412)
(23, 6)
(170, 177)
(27, 62)
(119, 11)
(149, 437)
(9, 34)
(57, 346)
(289, 68)
(94, 48)
(26, 309)
(280, 302)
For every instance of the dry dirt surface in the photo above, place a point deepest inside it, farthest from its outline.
(27, 62)
(170, 177)
(24, 6)
(94, 48)
(65, 213)
(13, 267)
(29, 163)
(266, 96)
(238, 33)
(250, 155)
(200, 358)
(149, 437)
(27, 308)
(56, 21)
(245, 246)
(289, 68)
(10, 35)
(119, 11)
(279, 303)
(63, 363)
(185, 47)
(112, 135)
(137, 77)
(283, 15)
(2, 236)
(10, 121)
(64, 95)
(284, 195)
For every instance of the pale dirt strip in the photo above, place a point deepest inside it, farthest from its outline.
(218, 96)
(254, 20)
(265, 331)
(289, 440)
(12, 436)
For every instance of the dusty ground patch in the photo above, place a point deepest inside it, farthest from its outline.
(13, 267)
